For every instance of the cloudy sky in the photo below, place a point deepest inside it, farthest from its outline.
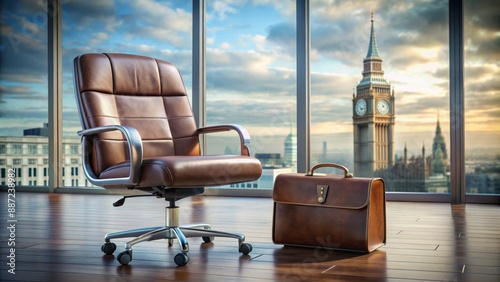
(251, 62)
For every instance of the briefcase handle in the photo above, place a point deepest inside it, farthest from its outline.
(347, 174)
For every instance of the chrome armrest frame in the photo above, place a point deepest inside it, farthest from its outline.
(134, 141)
(242, 132)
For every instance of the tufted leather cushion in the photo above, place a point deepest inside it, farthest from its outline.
(191, 171)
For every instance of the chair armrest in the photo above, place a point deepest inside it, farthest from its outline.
(242, 132)
(134, 141)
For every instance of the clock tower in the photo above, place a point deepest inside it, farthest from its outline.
(373, 116)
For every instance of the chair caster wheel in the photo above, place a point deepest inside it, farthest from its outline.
(181, 259)
(108, 248)
(208, 239)
(124, 257)
(245, 248)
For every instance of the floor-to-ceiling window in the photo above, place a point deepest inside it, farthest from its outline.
(159, 29)
(23, 94)
(380, 91)
(482, 97)
(250, 80)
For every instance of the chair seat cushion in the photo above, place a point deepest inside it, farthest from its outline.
(191, 171)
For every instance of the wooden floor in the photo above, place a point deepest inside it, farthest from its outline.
(58, 238)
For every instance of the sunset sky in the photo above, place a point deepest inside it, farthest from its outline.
(251, 62)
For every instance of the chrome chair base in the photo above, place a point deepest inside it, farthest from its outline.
(170, 231)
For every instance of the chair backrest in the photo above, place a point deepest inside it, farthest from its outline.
(137, 91)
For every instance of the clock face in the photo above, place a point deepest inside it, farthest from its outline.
(360, 107)
(383, 106)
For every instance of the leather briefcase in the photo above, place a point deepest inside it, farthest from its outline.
(329, 211)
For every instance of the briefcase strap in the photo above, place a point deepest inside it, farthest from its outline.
(347, 174)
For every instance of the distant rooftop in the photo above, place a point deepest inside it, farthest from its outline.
(39, 131)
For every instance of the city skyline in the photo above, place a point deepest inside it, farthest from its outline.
(254, 61)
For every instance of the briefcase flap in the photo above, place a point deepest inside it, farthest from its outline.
(338, 191)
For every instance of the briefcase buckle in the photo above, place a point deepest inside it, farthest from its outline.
(321, 192)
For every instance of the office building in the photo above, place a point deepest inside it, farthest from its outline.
(28, 156)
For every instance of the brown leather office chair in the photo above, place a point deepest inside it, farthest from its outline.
(139, 133)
